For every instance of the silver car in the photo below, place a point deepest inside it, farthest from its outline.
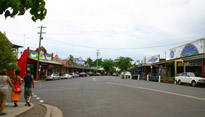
(66, 76)
(53, 76)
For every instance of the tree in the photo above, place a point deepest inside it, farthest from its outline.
(7, 59)
(108, 65)
(11, 8)
(123, 63)
(100, 61)
(89, 61)
(71, 56)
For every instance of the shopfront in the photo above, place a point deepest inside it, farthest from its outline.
(192, 55)
(28, 61)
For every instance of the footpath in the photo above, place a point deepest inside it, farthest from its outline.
(35, 110)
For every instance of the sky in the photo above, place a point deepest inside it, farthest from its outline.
(129, 28)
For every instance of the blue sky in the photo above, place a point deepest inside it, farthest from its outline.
(130, 28)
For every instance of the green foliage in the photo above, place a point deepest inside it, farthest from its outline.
(71, 56)
(7, 59)
(100, 61)
(11, 8)
(123, 63)
(109, 65)
(89, 61)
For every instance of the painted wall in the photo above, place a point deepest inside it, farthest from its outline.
(194, 48)
(153, 59)
(43, 56)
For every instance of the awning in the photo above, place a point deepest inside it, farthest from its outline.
(47, 61)
(168, 62)
(193, 57)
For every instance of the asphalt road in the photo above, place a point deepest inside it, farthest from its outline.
(108, 96)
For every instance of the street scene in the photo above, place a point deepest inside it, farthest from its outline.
(104, 96)
(102, 58)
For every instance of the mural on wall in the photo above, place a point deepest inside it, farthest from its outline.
(189, 50)
(77, 62)
(194, 48)
(43, 55)
(153, 59)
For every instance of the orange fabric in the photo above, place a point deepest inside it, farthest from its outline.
(16, 96)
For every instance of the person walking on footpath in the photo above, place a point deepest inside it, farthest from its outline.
(16, 95)
(29, 82)
(4, 81)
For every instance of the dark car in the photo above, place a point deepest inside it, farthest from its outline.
(82, 74)
(115, 74)
(90, 73)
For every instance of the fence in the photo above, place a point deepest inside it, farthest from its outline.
(154, 78)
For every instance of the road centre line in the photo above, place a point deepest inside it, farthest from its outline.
(161, 91)
(94, 79)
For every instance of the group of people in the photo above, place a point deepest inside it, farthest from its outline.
(15, 84)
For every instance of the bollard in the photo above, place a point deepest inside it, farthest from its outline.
(147, 77)
(138, 77)
(159, 78)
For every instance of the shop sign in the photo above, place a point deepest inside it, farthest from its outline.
(43, 56)
(80, 63)
(194, 48)
(153, 59)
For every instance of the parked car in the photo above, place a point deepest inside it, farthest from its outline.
(115, 74)
(74, 75)
(98, 74)
(82, 74)
(53, 76)
(90, 73)
(189, 78)
(66, 76)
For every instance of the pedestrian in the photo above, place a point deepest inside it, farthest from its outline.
(16, 95)
(29, 82)
(4, 81)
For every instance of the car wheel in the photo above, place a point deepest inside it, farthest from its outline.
(179, 82)
(193, 84)
(175, 82)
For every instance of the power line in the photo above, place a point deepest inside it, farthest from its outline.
(71, 44)
(25, 38)
(119, 48)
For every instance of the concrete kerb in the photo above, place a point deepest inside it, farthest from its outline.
(52, 111)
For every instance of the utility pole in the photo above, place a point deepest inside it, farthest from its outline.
(98, 53)
(40, 38)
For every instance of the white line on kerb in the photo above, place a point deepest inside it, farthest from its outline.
(41, 101)
(94, 79)
(161, 91)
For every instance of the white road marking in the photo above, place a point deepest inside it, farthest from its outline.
(161, 91)
(41, 101)
(94, 79)
(38, 98)
(34, 95)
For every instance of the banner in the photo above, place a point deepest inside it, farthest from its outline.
(194, 48)
(153, 59)
(43, 56)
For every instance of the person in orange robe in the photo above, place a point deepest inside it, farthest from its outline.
(15, 97)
